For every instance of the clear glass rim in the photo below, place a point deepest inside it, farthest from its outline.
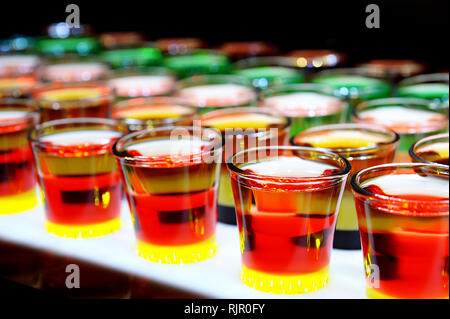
(148, 101)
(34, 137)
(425, 78)
(355, 126)
(344, 171)
(283, 89)
(355, 183)
(143, 159)
(248, 109)
(31, 112)
(413, 148)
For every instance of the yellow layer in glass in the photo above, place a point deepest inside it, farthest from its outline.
(72, 94)
(163, 112)
(347, 218)
(284, 284)
(185, 254)
(244, 121)
(342, 139)
(83, 231)
(16, 83)
(18, 203)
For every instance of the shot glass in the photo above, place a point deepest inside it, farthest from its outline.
(411, 118)
(356, 85)
(211, 92)
(79, 176)
(242, 50)
(197, 62)
(426, 86)
(69, 71)
(171, 178)
(142, 82)
(287, 201)
(242, 128)
(17, 75)
(307, 105)
(178, 46)
(139, 55)
(394, 70)
(403, 219)
(146, 113)
(61, 101)
(363, 146)
(17, 174)
(18, 64)
(264, 72)
(111, 40)
(431, 149)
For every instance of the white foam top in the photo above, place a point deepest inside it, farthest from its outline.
(142, 84)
(88, 137)
(12, 115)
(215, 90)
(288, 166)
(399, 114)
(168, 147)
(80, 70)
(410, 184)
(19, 61)
(304, 102)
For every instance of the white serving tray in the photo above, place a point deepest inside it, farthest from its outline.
(218, 277)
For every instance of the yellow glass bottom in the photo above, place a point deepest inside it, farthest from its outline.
(18, 203)
(83, 231)
(185, 254)
(375, 294)
(284, 284)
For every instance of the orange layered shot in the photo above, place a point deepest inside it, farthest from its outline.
(403, 219)
(431, 149)
(141, 113)
(243, 128)
(73, 101)
(172, 193)
(363, 146)
(286, 206)
(17, 175)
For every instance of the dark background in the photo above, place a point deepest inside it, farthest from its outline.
(409, 29)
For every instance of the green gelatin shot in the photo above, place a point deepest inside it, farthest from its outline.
(132, 57)
(197, 63)
(428, 86)
(263, 77)
(77, 45)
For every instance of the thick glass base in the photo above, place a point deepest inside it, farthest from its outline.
(284, 284)
(185, 254)
(83, 231)
(227, 214)
(347, 239)
(18, 203)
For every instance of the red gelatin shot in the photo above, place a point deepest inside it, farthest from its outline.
(403, 219)
(79, 176)
(171, 179)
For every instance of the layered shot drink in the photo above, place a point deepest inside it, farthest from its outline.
(17, 86)
(60, 101)
(356, 85)
(242, 50)
(287, 201)
(212, 92)
(242, 128)
(79, 176)
(363, 146)
(177, 46)
(75, 71)
(428, 86)
(431, 149)
(412, 118)
(17, 75)
(394, 69)
(17, 175)
(142, 82)
(141, 55)
(307, 105)
(171, 179)
(145, 113)
(403, 220)
(197, 62)
(264, 72)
